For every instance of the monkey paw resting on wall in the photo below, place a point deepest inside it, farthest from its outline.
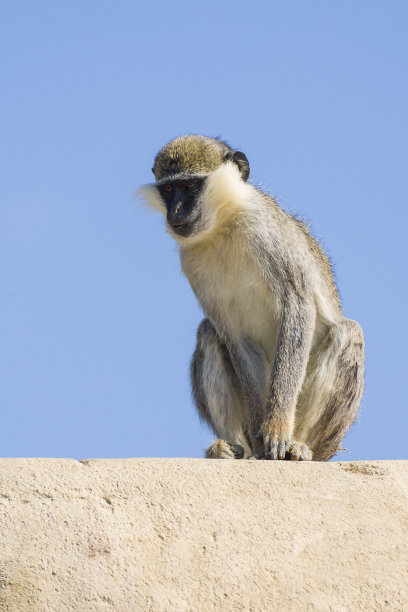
(278, 371)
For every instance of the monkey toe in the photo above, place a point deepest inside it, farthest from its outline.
(306, 454)
(294, 452)
(221, 449)
(299, 452)
(238, 451)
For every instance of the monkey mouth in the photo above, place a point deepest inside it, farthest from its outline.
(186, 226)
(182, 229)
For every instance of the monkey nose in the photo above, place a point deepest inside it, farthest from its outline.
(175, 215)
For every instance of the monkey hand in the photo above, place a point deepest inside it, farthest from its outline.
(279, 445)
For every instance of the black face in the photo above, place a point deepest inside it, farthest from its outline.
(180, 196)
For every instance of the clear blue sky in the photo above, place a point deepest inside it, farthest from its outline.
(97, 322)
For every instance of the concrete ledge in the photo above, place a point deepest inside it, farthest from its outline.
(202, 535)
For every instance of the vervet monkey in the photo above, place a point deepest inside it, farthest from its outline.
(278, 371)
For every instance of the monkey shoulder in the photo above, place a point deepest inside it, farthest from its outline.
(290, 257)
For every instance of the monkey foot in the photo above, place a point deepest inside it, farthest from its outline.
(221, 449)
(299, 452)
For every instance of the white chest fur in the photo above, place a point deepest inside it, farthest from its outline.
(233, 294)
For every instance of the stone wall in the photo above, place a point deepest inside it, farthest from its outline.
(202, 535)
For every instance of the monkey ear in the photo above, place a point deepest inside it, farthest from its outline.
(243, 164)
(153, 170)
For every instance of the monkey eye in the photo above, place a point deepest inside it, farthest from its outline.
(191, 184)
(168, 188)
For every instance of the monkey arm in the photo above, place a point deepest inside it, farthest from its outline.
(288, 371)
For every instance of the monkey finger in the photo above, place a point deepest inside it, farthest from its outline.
(271, 450)
(282, 448)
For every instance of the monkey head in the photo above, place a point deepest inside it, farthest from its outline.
(185, 191)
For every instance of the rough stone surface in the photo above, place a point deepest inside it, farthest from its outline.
(194, 534)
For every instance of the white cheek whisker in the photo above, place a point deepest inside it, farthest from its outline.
(149, 195)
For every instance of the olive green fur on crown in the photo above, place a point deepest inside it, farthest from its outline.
(189, 155)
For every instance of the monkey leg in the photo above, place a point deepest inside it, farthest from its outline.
(218, 395)
(329, 400)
